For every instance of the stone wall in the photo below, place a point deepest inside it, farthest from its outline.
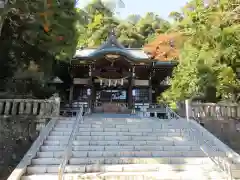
(222, 120)
(225, 130)
(16, 136)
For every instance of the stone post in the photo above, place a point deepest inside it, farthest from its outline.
(188, 109)
(7, 108)
(238, 111)
(42, 109)
(21, 107)
(35, 108)
(1, 107)
(28, 109)
(14, 107)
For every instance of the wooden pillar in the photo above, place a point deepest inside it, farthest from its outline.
(93, 94)
(71, 94)
(130, 88)
(150, 90)
(90, 90)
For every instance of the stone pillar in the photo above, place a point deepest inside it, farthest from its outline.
(188, 109)
(35, 107)
(7, 108)
(42, 109)
(14, 107)
(1, 107)
(21, 107)
(28, 109)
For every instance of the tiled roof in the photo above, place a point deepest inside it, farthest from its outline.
(89, 52)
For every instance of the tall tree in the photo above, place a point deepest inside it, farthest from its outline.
(40, 32)
(210, 53)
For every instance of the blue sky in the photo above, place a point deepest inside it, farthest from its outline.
(161, 7)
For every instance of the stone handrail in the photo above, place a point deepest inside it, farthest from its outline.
(212, 111)
(68, 151)
(22, 166)
(222, 155)
(42, 108)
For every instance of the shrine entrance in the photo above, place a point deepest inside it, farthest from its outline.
(113, 78)
(111, 96)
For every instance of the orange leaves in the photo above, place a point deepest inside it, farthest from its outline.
(45, 14)
(165, 47)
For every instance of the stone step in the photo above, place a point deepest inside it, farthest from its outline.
(62, 129)
(52, 148)
(146, 124)
(117, 148)
(137, 148)
(129, 126)
(120, 138)
(122, 153)
(64, 125)
(125, 132)
(47, 161)
(134, 160)
(121, 143)
(37, 169)
(113, 160)
(63, 138)
(126, 129)
(59, 133)
(130, 121)
(50, 154)
(167, 175)
(66, 122)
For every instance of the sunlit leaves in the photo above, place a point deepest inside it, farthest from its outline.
(210, 54)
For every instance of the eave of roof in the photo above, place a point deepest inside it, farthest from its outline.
(133, 54)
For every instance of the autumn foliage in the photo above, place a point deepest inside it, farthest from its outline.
(165, 47)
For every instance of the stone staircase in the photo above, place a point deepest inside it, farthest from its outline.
(114, 147)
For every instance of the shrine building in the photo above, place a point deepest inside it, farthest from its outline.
(115, 76)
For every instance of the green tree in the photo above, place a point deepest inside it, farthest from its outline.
(209, 57)
(133, 32)
(28, 36)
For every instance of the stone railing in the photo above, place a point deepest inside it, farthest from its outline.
(222, 155)
(42, 108)
(216, 111)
